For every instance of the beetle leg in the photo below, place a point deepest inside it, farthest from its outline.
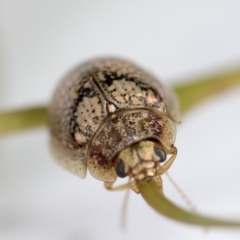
(168, 164)
(134, 187)
(109, 186)
(158, 181)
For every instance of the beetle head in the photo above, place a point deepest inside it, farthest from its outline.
(140, 161)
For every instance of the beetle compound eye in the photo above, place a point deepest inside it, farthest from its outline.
(160, 153)
(120, 169)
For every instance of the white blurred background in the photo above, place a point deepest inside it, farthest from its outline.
(41, 40)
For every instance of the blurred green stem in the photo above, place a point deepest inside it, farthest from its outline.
(13, 121)
(161, 204)
(196, 90)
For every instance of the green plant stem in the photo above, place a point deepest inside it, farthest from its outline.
(196, 90)
(22, 119)
(151, 194)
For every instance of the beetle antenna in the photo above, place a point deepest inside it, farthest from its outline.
(182, 194)
(124, 208)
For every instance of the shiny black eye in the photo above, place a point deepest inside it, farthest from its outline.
(120, 169)
(160, 153)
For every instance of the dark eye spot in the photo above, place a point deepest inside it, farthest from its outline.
(160, 153)
(120, 169)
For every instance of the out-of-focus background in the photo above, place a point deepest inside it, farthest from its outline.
(41, 40)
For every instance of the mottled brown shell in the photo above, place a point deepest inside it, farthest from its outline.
(103, 106)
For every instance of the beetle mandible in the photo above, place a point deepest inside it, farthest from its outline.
(117, 120)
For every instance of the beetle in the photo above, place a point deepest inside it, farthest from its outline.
(115, 119)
